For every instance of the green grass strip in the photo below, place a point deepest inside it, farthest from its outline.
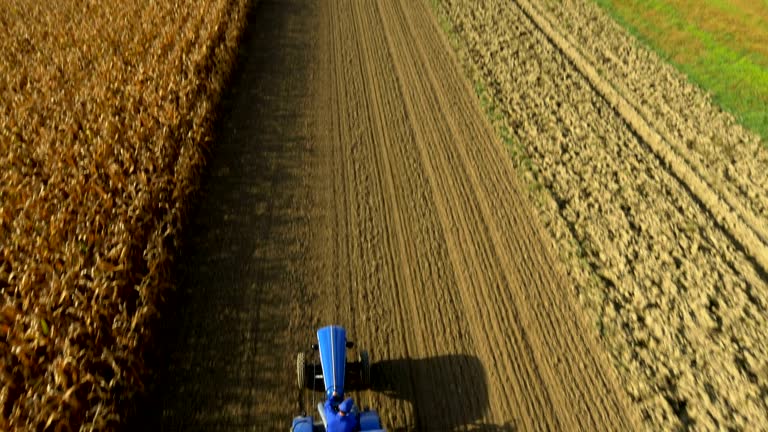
(718, 62)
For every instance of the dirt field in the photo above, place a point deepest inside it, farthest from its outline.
(358, 182)
(657, 200)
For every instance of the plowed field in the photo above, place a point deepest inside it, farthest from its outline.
(656, 197)
(358, 182)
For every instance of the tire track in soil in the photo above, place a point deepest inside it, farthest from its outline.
(389, 57)
(390, 209)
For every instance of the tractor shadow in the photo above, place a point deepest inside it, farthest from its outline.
(447, 393)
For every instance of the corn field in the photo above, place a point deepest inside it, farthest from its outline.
(106, 114)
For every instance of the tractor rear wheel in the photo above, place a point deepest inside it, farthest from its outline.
(301, 362)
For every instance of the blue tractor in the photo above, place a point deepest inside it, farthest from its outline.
(331, 374)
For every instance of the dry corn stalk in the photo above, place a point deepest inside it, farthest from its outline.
(105, 110)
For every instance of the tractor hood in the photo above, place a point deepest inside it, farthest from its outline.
(332, 341)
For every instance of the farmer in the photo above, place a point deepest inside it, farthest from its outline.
(343, 420)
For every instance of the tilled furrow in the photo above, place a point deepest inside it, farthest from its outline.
(741, 224)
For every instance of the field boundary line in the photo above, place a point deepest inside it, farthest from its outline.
(740, 225)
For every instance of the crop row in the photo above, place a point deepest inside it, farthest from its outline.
(105, 116)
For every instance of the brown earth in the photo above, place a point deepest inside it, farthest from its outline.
(357, 182)
(656, 197)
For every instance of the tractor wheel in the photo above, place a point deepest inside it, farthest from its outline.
(365, 369)
(301, 362)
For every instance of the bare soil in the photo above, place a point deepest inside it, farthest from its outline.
(656, 197)
(358, 182)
